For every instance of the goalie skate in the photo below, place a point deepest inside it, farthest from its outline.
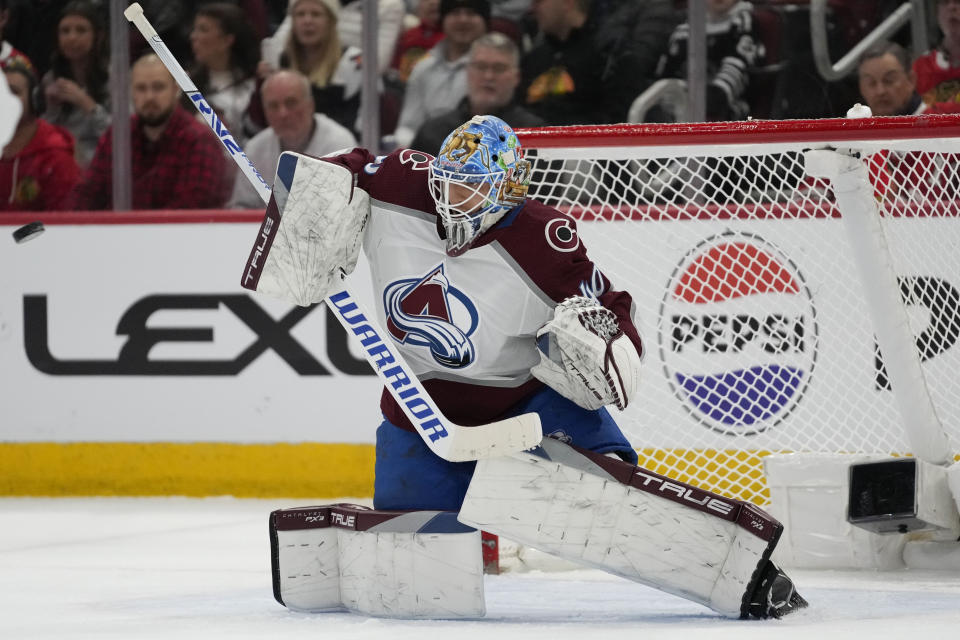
(774, 596)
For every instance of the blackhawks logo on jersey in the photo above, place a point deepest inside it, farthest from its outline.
(555, 81)
(27, 190)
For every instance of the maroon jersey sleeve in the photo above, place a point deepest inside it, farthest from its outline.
(398, 178)
(544, 243)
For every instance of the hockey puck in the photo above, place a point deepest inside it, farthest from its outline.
(28, 232)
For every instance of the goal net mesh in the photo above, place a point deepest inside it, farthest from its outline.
(758, 337)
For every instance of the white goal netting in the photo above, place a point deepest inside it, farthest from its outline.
(749, 293)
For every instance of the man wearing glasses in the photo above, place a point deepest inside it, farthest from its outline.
(493, 73)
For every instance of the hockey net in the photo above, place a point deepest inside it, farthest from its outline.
(760, 333)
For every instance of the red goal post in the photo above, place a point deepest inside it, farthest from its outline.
(782, 312)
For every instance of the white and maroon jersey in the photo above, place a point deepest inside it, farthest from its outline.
(467, 325)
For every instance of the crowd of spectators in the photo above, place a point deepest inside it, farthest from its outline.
(287, 75)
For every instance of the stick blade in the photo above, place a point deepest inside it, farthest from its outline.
(493, 439)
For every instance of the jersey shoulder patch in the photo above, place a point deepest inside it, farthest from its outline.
(545, 243)
(546, 227)
(400, 178)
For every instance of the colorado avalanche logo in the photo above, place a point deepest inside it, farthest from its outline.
(738, 334)
(428, 312)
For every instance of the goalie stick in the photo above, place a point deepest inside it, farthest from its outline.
(450, 441)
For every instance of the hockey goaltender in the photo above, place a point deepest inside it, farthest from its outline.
(488, 299)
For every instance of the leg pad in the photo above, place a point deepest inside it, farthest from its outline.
(414, 564)
(614, 516)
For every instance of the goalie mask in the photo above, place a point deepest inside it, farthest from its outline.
(478, 176)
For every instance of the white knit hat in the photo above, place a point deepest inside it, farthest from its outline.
(332, 5)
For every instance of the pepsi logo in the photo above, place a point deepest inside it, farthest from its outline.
(738, 334)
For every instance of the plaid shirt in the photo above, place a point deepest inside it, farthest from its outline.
(185, 169)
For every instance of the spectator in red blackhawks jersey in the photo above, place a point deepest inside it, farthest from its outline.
(938, 71)
(37, 168)
(7, 50)
(479, 285)
(177, 163)
(888, 85)
(415, 42)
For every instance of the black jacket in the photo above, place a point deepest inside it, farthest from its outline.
(594, 75)
(433, 132)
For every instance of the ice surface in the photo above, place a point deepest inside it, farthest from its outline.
(131, 568)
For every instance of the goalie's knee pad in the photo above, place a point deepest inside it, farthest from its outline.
(407, 475)
(418, 564)
(564, 420)
(636, 524)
